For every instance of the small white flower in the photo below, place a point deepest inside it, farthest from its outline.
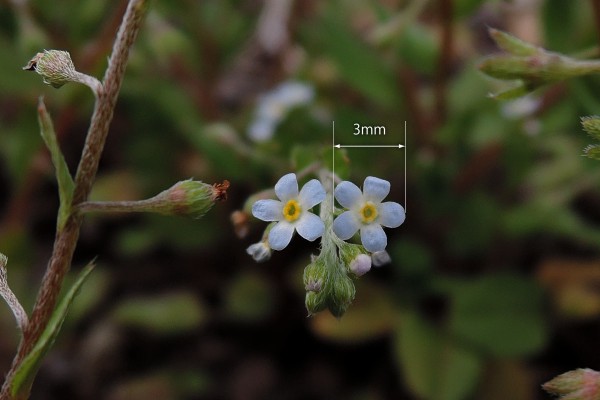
(275, 105)
(367, 213)
(380, 258)
(260, 251)
(292, 94)
(292, 211)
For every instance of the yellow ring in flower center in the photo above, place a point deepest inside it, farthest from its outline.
(292, 210)
(368, 212)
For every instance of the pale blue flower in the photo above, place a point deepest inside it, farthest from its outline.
(274, 106)
(260, 251)
(367, 213)
(292, 211)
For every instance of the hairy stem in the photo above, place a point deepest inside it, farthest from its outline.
(66, 238)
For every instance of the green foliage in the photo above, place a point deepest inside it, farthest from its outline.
(490, 184)
(166, 314)
(63, 176)
(434, 366)
(27, 370)
(500, 315)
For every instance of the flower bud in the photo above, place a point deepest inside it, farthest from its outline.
(314, 276)
(592, 126)
(55, 67)
(360, 265)
(350, 254)
(342, 294)
(315, 302)
(190, 198)
(380, 258)
(260, 251)
(580, 384)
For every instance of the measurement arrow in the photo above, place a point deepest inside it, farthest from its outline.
(398, 146)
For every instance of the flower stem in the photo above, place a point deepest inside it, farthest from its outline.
(67, 236)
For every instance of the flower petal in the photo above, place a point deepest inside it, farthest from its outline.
(281, 235)
(268, 210)
(373, 237)
(311, 194)
(261, 129)
(286, 187)
(348, 194)
(346, 225)
(375, 189)
(310, 226)
(391, 214)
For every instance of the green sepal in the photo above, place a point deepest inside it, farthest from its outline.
(63, 176)
(512, 44)
(592, 126)
(512, 93)
(25, 373)
(592, 151)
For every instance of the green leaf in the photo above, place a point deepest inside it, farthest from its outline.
(512, 44)
(501, 315)
(512, 93)
(303, 156)
(419, 48)
(358, 64)
(26, 372)
(170, 313)
(63, 176)
(338, 162)
(434, 367)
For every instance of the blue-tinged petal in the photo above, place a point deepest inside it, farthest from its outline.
(286, 187)
(261, 129)
(311, 194)
(373, 237)
(310, 227)
(348, 194)
(391, 214)
(346, 225)
(375, 189)
(268, 210)
(280, 235)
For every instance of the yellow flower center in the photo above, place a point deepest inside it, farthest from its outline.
(292, 210)
(368, 212)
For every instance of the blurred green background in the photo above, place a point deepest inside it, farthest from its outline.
(494, 287)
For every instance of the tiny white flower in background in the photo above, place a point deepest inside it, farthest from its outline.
(291, 212)
(293, 94)
(360, 265)
(380, 258)
(274, 106)
(260, 251)
(367, 213)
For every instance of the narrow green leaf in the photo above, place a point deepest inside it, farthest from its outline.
(63, 176)
(26, 372)
(512, 44)
(512, 93)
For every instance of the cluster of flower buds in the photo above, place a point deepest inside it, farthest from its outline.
(327, 279)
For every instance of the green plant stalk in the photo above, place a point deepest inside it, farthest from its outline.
(67, 236)
(338, 290)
